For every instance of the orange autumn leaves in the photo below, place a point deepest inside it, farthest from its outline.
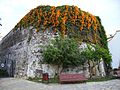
(51, 16)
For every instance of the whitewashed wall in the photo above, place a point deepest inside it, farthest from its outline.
(114, 47)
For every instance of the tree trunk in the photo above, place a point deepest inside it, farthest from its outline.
(89, 69)
(98, 67)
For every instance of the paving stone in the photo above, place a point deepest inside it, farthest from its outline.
(20, 84)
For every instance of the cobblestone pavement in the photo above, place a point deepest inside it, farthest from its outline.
(20, 84)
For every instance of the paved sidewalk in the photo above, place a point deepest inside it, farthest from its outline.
(20, 84)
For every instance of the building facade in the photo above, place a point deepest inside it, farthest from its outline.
(114, 47)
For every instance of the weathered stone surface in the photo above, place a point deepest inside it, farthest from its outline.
(21, 52)
(20, 84)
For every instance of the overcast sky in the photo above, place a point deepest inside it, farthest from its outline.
(11, 11)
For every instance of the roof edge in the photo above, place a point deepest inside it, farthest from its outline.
(111, 37)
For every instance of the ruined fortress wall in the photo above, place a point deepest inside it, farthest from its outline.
(21, 50)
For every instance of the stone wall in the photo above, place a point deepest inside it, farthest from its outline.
(21, 50)
(21, 54)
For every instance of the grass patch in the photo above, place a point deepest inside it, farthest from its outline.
(99, 79)
(39, 80)
(56, 80)
(35, 79)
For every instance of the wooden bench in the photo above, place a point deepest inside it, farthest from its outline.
(72, 78)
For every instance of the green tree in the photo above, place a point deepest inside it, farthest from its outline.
(102, 53)
(88, 55)
(62, 52)
(65, 52)
(94, 54)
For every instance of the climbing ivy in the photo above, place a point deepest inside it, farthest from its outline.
(60, 18)
(102, 34)
(69, 20)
